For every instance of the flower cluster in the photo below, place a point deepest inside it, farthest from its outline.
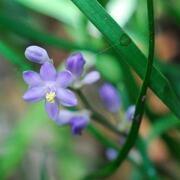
(53, 87)
(57, 89)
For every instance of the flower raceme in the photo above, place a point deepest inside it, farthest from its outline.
(52, 86)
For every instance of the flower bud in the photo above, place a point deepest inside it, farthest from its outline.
(75, 64)
(37, 54)
(110, 97)
(111, 154)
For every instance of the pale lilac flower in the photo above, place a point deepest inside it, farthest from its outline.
(50, 86)
(130, 112)
(78, 120)
(111, 154)
(75, 64)
(37, 54)
(110, 97)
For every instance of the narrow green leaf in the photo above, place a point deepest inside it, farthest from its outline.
(128, 51)
(136, 121)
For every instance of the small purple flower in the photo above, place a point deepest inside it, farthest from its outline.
(130, 112)
(110, 97)
(75, 64)
(112, 153)
(37, 54)
(77, 120)
(51, 86)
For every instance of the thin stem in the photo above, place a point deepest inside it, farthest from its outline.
(98, 117)
(131, 139)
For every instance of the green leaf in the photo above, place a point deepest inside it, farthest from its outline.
(128, 51)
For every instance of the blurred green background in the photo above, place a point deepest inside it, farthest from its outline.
(32, 147)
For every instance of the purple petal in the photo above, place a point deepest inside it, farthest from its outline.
(66, 97)
(32, 78)
(130, 112)
(48, 72)
(64, 79)
(64, 117)
(34, 94)
(75, 64)
(36, 54)
(110, 97)
(91, 77)
(78, 123)
(52, 109)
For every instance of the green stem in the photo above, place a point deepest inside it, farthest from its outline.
(98, 117)
(131, 139)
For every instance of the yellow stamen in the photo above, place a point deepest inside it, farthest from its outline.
(50, 96)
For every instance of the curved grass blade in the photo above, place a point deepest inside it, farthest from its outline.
(128, 51)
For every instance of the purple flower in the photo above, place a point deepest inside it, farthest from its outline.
(37, 54)
(110, 97)
(77, 120)
(51, 86)
(75, 64)
(130, 112)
